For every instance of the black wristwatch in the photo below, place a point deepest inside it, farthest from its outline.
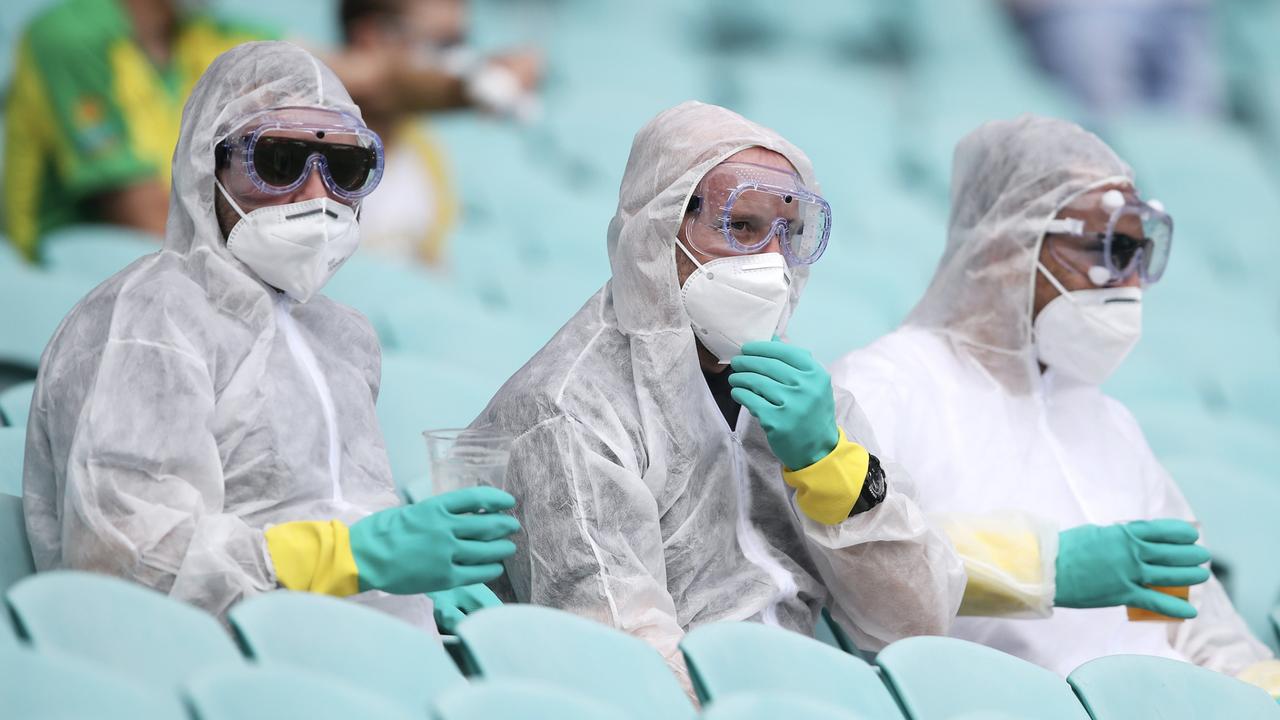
(874, 488)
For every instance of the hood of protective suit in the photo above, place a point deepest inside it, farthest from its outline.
(1009, 178)
(669, 156)
(244, 80)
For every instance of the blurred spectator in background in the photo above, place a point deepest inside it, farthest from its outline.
(98, 88)
(412, 213)
(1118, 55)
(93, 112)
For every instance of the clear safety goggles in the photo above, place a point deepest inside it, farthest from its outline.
(1137, 239)
(277, 154)
(739, 208)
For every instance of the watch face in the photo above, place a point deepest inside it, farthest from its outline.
(875, 482)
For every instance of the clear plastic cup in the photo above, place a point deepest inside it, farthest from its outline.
(466, 457)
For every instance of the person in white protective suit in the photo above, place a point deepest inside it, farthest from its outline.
(989, 395)
(658, 432)
(203, 422)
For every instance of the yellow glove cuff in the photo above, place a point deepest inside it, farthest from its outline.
(314, 557)
(827, 490)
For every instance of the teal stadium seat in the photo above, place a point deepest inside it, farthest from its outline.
(35, 685)
(45, 299)
(13, 446)
(798, 705)
(939, 677)
(120, 626)
(95, 252)
(513, 700)
(15, 553)
(542, 645)
(421, 393)
(15, 403)
(365, 648)
(248, 693)
(1120, 687)
(372, 285)
(729, 658)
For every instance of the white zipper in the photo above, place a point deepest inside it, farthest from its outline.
(753, 546)
(307, 361)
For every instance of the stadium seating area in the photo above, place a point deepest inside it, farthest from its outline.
(877, 93)
(83, 645)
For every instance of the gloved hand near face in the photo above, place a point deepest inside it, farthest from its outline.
(790, 394)
(1117, 564)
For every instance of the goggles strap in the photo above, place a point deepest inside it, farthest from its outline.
(1065, 226)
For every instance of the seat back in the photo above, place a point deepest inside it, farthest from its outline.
(34, 685)
(45, 300)
(13, 447)
(120, 626)
(772, 706)
(940, 677)
(15, 552)
(365, 648)
(420, 394)
(520, 701)
(538, 644)
(95, 252)
(730, 658)
(15, 403)
(1131, 686)
(248, 693)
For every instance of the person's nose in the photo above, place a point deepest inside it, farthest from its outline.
(1131, 281)
(313, 187)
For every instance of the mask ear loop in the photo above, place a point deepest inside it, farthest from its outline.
(1054, 281)
(227, 196)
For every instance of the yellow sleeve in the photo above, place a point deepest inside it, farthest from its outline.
(1009, 558)
(314, 556)
(1264, 674)
(827, 490)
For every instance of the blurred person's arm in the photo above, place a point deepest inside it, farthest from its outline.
(143, 205)
(388, 81)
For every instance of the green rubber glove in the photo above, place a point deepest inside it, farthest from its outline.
(436, 544)
(790, 394)
(453, 606)
(1106, 566)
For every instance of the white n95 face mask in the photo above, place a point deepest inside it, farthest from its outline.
(295, 247)
(736, 300)
(1086, 334)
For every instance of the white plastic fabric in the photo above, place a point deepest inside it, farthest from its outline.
(183, 406)
(957, 397)
(1010, 561)
(640, 508)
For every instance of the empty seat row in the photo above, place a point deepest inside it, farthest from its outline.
(291, 651)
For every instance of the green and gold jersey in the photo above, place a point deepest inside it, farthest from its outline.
(88, 111)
